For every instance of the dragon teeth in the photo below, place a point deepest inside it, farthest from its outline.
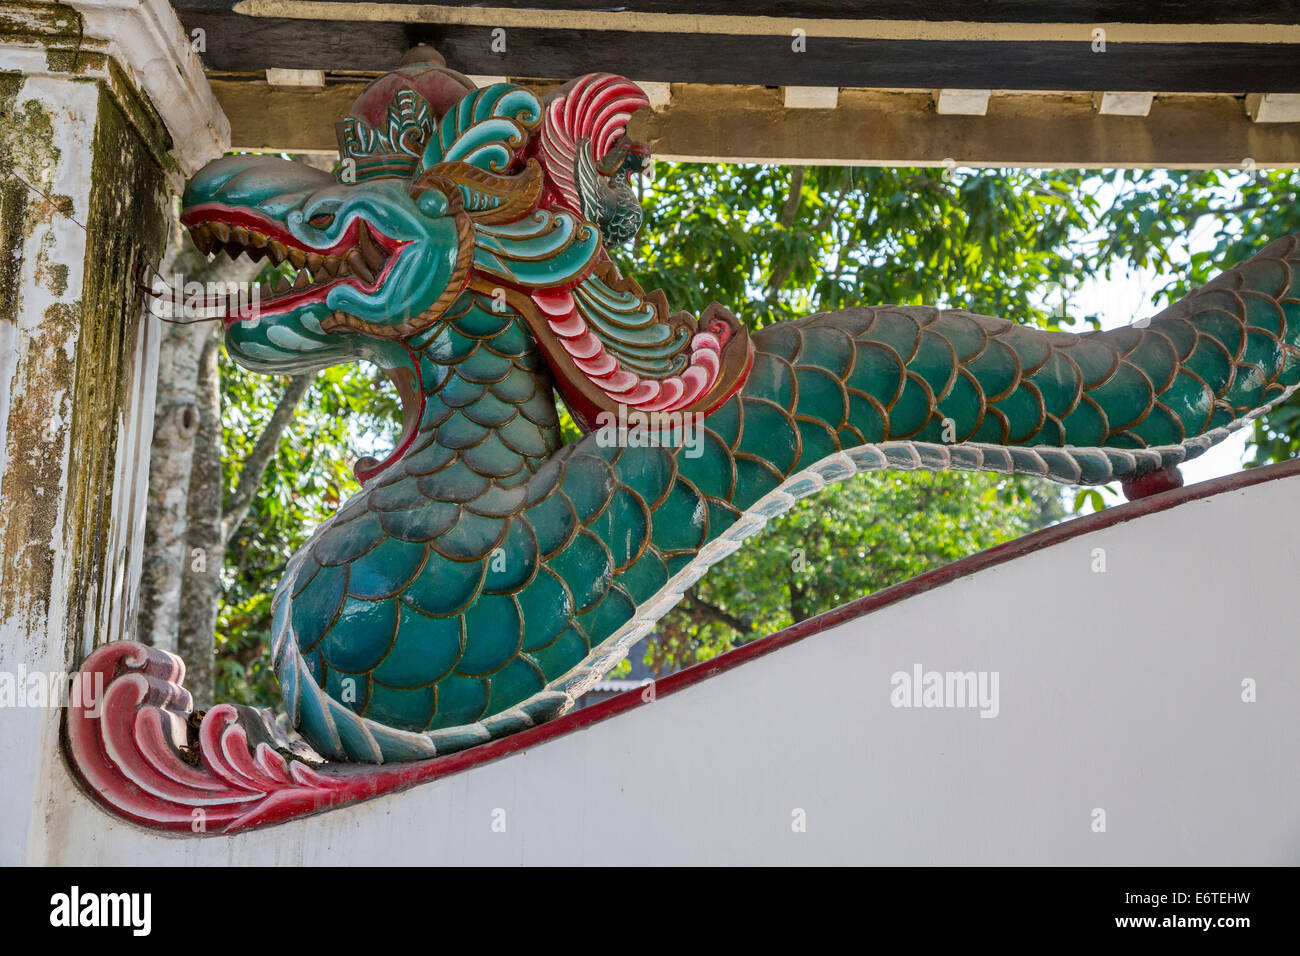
(366, 260)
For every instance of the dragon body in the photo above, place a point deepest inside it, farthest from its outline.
(488, 574)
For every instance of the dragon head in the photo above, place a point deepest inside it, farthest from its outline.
(446, 190)
(378, 257)
(439, 180)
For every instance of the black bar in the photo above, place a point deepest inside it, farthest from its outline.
(387, 911)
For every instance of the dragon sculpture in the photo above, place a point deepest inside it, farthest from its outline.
(488, 574)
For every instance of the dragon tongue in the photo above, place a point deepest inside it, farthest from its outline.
(373, 256)
(359, 266)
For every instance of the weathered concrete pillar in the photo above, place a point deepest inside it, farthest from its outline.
(103, 110)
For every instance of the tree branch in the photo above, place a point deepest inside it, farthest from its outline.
(715, 613)
(781, 273)
(793, 198)
(255, 464)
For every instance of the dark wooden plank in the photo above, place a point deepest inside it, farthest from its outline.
(768, 61)
(985, 11)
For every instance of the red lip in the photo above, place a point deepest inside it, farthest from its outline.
(362, 256)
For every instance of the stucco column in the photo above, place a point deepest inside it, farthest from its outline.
(103, 111)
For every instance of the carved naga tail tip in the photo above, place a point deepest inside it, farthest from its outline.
(136, 747)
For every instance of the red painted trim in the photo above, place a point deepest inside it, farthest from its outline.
(1152, 483)
(274, 229)
(123, 758)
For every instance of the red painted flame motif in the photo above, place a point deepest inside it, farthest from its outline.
(596, 108)
(621, 385)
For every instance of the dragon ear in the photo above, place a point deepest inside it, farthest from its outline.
(487, 129)
(614, 349)
(488, 198)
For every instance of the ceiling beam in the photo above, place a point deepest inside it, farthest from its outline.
(1237, 57)
(868, 127)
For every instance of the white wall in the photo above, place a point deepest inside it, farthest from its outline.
(35, 426)
(1120, 690)
(145, 39)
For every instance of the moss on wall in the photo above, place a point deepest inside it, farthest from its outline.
(30, 21)
(72, 386)
(127, 223)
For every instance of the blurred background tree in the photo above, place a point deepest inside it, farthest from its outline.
(775, 243)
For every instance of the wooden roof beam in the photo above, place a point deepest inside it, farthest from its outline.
(868, 127)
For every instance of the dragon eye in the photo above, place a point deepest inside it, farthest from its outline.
(322, 220)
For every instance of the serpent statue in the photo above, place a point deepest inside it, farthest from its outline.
(488, 574)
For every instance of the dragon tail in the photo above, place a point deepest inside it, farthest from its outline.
(866, 389)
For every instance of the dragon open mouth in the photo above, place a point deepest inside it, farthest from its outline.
(361, 257)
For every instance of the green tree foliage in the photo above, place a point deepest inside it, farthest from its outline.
(347, 410)
(866, 534)
(775, 243)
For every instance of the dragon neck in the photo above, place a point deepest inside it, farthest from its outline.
(480, 399)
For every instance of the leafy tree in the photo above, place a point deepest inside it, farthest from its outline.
(306, 478)
(868, 533)
(777, 242)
